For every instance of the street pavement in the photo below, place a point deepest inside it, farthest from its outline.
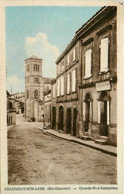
(35, 158)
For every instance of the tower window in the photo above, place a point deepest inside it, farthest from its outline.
(36, 67)
(36, 80)
(35, 94)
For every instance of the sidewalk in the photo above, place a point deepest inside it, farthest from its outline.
(108, 149)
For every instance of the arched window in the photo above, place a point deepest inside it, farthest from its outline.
(35, 94)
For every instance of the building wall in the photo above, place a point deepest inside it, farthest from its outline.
(11, 118)
(89, 41)
(33, 87)
(65, 102)
(105, 27)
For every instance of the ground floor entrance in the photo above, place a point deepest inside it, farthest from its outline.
(61, 118)
(53, 117)
(69, 120)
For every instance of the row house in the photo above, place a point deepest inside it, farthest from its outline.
(47, 107)
(65, 90)
(11, 110)
(98, 76)
(85, 97)
(35, 86)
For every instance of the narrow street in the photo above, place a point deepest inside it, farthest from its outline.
(36, 158)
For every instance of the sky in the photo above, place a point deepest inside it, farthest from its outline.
(44, 31)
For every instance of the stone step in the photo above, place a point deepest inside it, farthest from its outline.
(102, 140)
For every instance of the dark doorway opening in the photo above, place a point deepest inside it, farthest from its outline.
(104, 127)
(74, 121)
(61, 118)
(69, 120)
(53, 117)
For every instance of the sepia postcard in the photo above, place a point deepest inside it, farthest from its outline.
(61, 102)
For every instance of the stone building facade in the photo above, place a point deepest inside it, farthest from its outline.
(33, 87)
(11, 110)
(85, 100)
(53, 103)
(98, 75)
(65, 92)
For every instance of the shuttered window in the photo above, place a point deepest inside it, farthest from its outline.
(68, 83)
(58, 87)
(104, 54)
(74, 80)
(88, 63)
(84, 111)
(62, 85)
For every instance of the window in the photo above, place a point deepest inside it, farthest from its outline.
(88, 63)
(104, 112)
(74, 80)
(104, 48)
(36, 67)
(68, 83)
(62, 85)
(35, 94)
(58, 87)
(36, 80)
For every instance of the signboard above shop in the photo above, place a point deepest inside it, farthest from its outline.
(103, 86)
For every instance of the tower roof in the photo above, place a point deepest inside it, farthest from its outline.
(33, 57)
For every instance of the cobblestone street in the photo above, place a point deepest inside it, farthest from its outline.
(36, 158)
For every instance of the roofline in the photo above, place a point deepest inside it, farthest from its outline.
(37, 58)
(92, 18)
(77, 34)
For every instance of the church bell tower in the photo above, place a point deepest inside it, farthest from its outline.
(33, 84)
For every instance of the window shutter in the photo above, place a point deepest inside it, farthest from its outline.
(74, 80)
(68, 83)
(91, 104)
(104, 55)
(62, 85)
(88, 61)
(58, 87)
(108, 112)
(84, 111)
(99, 112)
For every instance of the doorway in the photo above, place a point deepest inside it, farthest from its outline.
(69, 120)
(53, 117)
(74, 121)
(61, 118)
